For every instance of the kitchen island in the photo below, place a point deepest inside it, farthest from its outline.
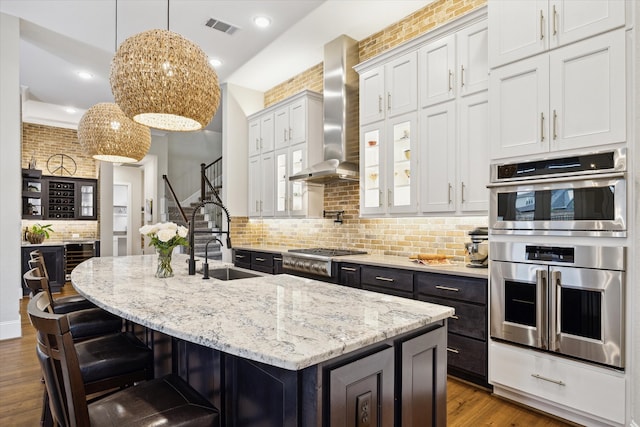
(283, 350)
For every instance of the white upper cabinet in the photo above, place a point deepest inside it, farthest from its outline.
(473, 158)
(260, 134)
(472, 45)
(295, 126)
(290, 124)
(437, 71)
(454, 65)
(587, 92)
(522, 28)
(572, 97)
(519, 102)
(389, 90)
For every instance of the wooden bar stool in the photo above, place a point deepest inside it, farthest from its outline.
(166, 401)
(62, 304)
(86, 322)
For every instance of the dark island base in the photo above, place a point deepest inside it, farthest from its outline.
(400, 381)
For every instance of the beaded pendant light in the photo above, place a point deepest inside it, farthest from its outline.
(162, 80)
(106, 134)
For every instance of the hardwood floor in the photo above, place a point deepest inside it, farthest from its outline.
(21, 391)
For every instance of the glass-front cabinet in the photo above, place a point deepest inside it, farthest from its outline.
(387, 166)
(87, 200)
(290, 195)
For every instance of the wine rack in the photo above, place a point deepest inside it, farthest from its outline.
(62, 199)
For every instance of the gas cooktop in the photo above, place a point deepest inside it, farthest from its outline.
(326, 252)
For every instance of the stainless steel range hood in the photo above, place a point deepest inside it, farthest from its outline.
(341, 120)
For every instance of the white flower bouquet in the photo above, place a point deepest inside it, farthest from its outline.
(165, 237)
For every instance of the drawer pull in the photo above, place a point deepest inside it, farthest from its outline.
(384, 279)
(277, 259)
(447, 288)
(260, 259)
(453, 350)
(455, 317)
(540, 377)
(347, 269)
(240, 256)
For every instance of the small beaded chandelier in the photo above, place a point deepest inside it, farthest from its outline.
(106, 134)
(162, 80)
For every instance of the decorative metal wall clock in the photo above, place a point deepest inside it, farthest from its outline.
(62, 165)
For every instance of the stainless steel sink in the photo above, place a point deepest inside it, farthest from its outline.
(231, 274)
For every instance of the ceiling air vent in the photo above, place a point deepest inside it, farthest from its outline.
(221, 26)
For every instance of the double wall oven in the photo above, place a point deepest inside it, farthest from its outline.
(557, 270)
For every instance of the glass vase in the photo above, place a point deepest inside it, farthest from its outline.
(164, 263)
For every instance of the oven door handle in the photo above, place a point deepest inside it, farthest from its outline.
(541, 312)
(524, 181)
(555, 327)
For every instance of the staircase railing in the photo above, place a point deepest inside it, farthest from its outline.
(175, 199)
(209, 175)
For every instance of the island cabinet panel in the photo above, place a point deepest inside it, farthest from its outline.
(467, 339)
(423, 379)
(54, 260)
(361, 392)
(388, 281)
(262, 261)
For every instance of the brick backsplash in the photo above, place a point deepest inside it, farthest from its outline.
(386, 236)
(390, 236)
(64, 230)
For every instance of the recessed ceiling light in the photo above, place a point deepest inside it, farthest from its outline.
(85, 75)
(262, 21)
(215, 62)
(70, 110)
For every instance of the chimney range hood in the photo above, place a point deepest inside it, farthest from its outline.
(341, 120)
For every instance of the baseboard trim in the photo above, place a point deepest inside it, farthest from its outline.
(11, 329)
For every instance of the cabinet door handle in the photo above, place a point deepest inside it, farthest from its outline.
(449, 190)
(551, 380)
(277, 259)
(239, 256)
(450, 77)
(389, 197)
(260, 205)
(541, 25)
(384, 279)
(447, 288)
(555, 125)
(555, 15)
(462, 76)
(260, 259)
(453, 350)
(388, 100)
(462, 192)
(541, 127)
(379, 103)
(290, 133)
(347, 269)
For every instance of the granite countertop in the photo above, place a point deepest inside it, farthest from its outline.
(285, 321)
(457, 269)
(49, 242)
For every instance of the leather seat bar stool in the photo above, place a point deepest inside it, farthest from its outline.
(84, 323)
(63, 304)
(167, 401)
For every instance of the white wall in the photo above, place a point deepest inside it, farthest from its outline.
(238, 103)
(10, 179)
(105, 181)
(132, 177)
(633, 281)
(160, 150)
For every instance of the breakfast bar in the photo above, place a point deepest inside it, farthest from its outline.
(282, 350)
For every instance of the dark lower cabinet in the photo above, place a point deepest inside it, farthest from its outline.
(242, 258)
(53, 259)
(467, 341)
(390, 281)
(349, 275)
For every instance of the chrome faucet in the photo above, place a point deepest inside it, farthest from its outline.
(192, 231)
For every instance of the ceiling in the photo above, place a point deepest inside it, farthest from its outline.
(61, 37)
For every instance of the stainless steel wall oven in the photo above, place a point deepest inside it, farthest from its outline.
(565, 299)
(577, 196)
